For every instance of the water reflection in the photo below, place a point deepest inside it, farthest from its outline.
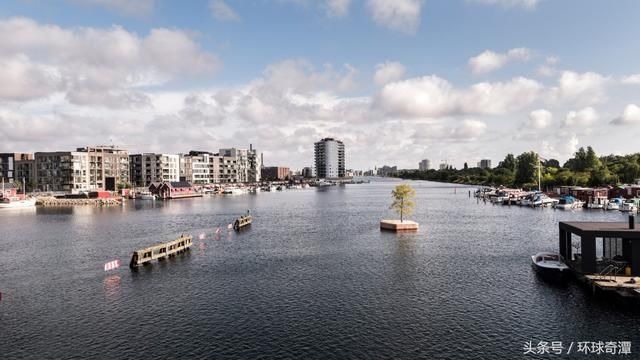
(111, 287)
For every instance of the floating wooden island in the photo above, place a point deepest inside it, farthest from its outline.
(397, 225)
(242, 221)
(160, 252)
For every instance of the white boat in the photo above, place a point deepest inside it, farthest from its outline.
(15, 202)
(234, 191)
(629, 205)
(549, 263)
(323, 183)
(543, 200)
(146, 195)
(568, 202)
(614, 204)
(597, 203)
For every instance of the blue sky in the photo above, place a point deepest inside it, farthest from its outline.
(548, 76)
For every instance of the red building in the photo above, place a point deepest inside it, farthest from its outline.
(9, 190)
(174, 190)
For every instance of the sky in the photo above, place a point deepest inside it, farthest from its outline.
(397, 81)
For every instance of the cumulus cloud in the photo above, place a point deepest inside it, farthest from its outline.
(92, 65)
(337, 8)
(467, 130)
(631, 79)
(631, 115)
(221, 11)
(401, 15)
(581, 118)
(586, 88)
(527, 4)
(539, 119)
(563, 146)
(388, 71)
(432, 96)
(124, 7)
(548, 68)
(489, 61)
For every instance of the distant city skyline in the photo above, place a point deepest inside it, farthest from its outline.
(397, 81)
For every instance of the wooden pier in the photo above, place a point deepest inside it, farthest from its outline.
(161, 252)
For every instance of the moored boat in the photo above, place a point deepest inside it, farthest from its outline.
(15, 202)
(146, 195)
(615, 204)
(629, 205)
(568, 202)
(549, 264)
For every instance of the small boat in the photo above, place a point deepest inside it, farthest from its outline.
(568, 202)
(549, 263)
(629, 205)
(233, 191)
(615, 204)
(146, 195)
(597, 203)
(323, 183)
(16, 202)
(242, 221)
(543, 200)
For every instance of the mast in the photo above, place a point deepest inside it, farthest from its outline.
(539, 171)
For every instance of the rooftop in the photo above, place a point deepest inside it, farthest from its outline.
(601, 229)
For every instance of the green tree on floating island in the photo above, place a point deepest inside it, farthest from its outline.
(403, 200)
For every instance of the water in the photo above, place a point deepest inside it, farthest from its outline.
(313, 277)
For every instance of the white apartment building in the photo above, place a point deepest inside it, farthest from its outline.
(147, 168)
(227, 166)
(329, 158)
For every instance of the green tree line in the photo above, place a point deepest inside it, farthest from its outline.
(585, 168)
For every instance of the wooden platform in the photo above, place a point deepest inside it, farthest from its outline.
(396, 225)
(614, 281)
(160, 252)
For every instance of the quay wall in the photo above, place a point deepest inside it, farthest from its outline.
(51, 201)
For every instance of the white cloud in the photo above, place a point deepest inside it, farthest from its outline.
(586, 88)
(94, 66)
(631, 115)
(631, 79)
(548, 68)
(432, 96)
(388, 71)
(582, 118)
(489, 61)
(221, 11)
(124, 7)
(564, 146)
(539, 119)
(401, 15)
(337, 8)
(527, 4)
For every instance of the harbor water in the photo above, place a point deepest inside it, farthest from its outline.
(312, 277)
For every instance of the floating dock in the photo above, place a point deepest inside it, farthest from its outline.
(242, 221)
(161, 252)
(616, 269)
(397, 225)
